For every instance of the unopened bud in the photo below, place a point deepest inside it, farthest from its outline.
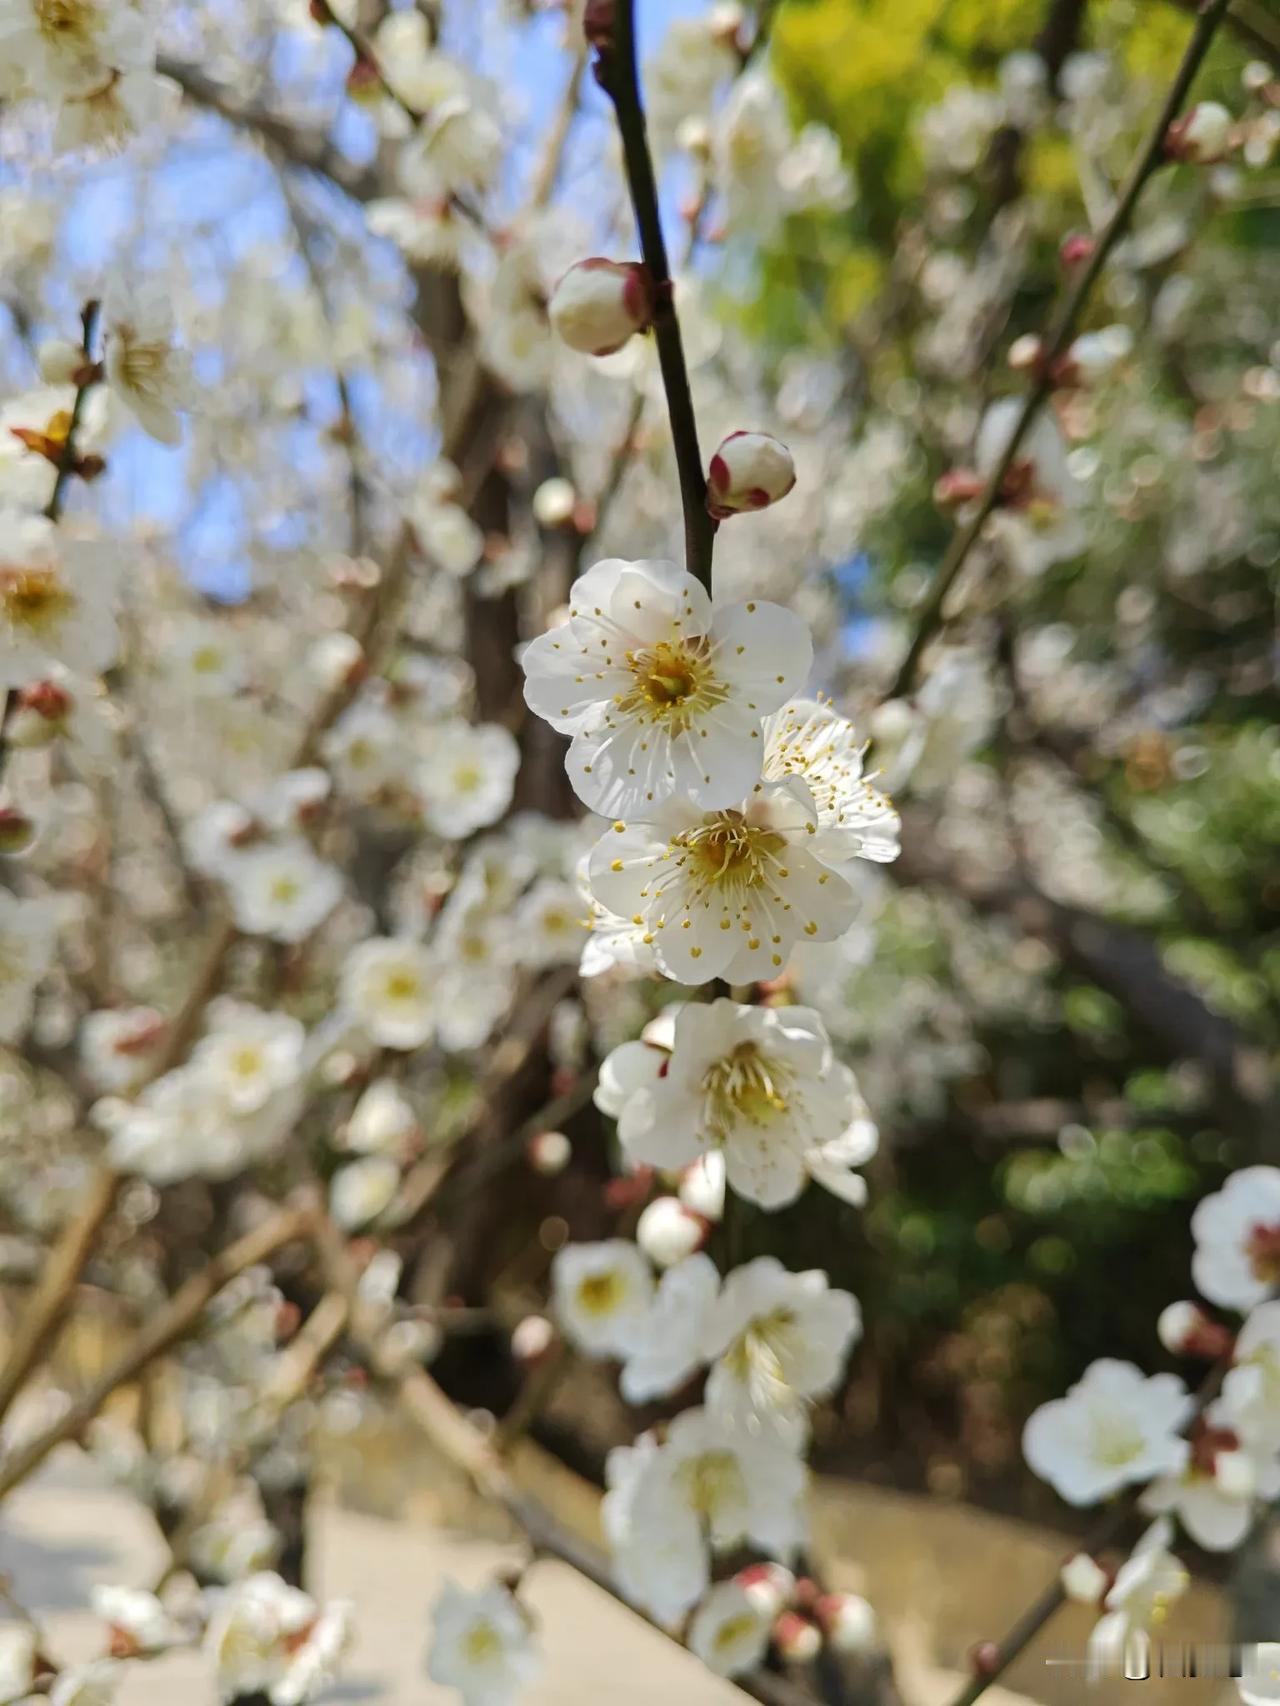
(667, 1232)
(549, 1153)
(848, 1622)
(383, 1121)
(1186, 1331)
(90, 467)
(798, 1641)
(599, 304)
(554, 502)
(1025, 352)
(531, 1339)
(957, 486)
(750, 471)
(984, 1658)
(1076, 248)
(17, 830)
(1084, 1579)
(59, 361)
(1202, 136)
(337, 660)
(40, 715)
(768, 1587)
(364, 81)
(598, 24)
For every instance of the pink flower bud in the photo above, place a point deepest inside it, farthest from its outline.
(1202, 136)
(848, 1622)
(750, 470)
(599, 304)
(17, 830)
(957, 486)
(768, 1586)
(549, 1153)
(1186, 1331)
(1076, 248)
(798, 1641)
(667, 1232)
(598, 24)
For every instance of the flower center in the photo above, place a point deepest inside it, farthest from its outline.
(744, 1086)
(1263, 1250)
(756, 1357)
(402, 986)
(285, 890)
(56, 18)
(145, 367)
(467, 778)
(482, 1644)
(34, 599)
(673, 681)
(246, 1062)
(711, 1481)
(727, 852)
(1117, 1441)
(600, 1294)
(733, 1630)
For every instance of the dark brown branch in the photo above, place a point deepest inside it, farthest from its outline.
(620, 79)
(1056, 339)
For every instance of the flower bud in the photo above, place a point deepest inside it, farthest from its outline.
(531, 1339)
(382, 1122)
(599, 304)
(667, 1232)
(1025, 352)
(984, 1659)
(40, 715)
(750, 470)
(598, 24)
(768, 1586)
(702, 1186)
(1186, 1331)
(848, 1622)
(59, 361)
(1076, 248)
(336, 660)
(798, 1641)
(554, 502)
(1202, 136)
(1084, 1579)
(17, 830)
(957, 486)
(549, 1153)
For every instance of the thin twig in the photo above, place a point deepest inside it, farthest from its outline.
(1150, 158)
(170, 1324)
(620, 79)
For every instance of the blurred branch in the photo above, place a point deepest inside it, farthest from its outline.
(309, 149)
(1055, 341)
(620, 80)
(170, 1324)
(1256, 26)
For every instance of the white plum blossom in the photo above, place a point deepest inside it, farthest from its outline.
(1202, 136)
(266, 1637)
(750, 471)
(811, 740)
(282, 890)
(389, 989)
(205, 658)
(467, 777)
(780, 1341)
(549, 924)
(670, 1344)
(601, 1295)
(27, 940)
(663, 691)
(1237, 1234)
(365, 751)
(75, 47)
(724, 893)
(1215, 1496)
(482, 1644)
(1251, 1387)
(249, 1056)
(1146, 1585)
(706, 1489)
(137, 1620)
(758, 1084)
(118, 1046)
(729, 1632)
(145, 368)
(1116, 1426)
(58, 599)
(599, 304)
